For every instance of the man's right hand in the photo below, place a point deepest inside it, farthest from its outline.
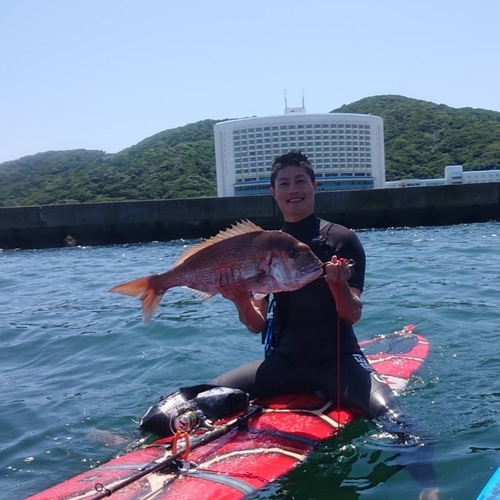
(252, 312)
(225, 284)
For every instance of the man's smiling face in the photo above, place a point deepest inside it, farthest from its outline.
(294, 192)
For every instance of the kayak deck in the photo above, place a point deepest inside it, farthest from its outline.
(252, 453)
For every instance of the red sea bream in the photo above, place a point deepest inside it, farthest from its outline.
(262, 262)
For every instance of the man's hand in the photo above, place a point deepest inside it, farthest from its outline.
(252, 312)
(337, 271)
(347, 299)
(224, 282)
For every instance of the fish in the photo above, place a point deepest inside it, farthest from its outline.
(262, 262)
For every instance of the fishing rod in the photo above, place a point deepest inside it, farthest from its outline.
(239, 422)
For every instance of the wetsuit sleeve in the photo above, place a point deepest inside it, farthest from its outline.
(344, 243)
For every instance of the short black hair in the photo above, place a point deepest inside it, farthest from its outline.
(293, 158)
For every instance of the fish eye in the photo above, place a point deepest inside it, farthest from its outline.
(293, 254)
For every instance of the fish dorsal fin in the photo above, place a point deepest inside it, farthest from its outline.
(237, 229)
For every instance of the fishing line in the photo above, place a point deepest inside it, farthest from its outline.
(350, 263)
(338, 368)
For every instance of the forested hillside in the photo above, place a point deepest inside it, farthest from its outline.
(421, 138)
(176, 163)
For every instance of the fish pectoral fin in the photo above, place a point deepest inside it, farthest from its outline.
(199, 294)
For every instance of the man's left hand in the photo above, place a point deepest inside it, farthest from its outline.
(337, 271)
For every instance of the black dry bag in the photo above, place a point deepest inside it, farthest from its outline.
(210, 401)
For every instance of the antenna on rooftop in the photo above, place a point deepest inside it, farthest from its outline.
(290, 111)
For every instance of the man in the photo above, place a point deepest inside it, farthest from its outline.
(314, 346)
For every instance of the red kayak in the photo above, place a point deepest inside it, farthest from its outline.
(244, 453)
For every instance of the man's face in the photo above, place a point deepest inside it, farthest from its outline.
(294, 192)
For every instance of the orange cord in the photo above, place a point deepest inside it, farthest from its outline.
(181, 435)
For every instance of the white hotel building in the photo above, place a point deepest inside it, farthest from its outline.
(346, 150)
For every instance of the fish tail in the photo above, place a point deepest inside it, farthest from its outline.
(147, 289)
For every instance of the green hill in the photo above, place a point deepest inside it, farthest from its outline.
(176, 163)
(421, 138)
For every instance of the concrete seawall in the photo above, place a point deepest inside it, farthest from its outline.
(47, 226)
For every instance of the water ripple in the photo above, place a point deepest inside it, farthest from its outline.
(78, 367)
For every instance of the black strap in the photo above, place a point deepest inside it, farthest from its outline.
(268, 334)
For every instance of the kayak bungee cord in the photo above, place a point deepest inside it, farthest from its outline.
(240, 422)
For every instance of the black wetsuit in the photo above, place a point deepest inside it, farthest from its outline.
(305, 355)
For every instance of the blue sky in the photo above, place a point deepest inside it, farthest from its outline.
(105, 74)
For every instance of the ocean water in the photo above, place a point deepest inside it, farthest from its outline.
(78, 368)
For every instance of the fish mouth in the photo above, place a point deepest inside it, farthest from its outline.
(314, 268)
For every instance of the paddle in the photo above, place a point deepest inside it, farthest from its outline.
(209, 436)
